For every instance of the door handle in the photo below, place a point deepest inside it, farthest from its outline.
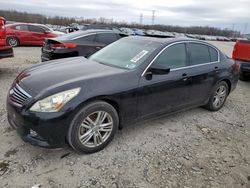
(216, 68)
(185, 78)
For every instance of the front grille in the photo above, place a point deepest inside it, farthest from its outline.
(18, 95)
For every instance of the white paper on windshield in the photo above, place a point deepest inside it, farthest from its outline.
(139, 56)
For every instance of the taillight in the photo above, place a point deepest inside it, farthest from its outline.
(63, 46)
(236, 67)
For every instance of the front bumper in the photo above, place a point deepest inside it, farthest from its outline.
(50, 128)
(6, 51)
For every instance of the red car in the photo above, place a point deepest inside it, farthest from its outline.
(5, 51)
(2, 32)
(28, 34)
(241, 54)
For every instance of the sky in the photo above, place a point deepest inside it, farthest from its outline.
(231, 14)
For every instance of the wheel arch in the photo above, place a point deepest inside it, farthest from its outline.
(110, 100)
(229, 84)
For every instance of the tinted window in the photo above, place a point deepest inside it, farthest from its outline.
(106, 38)
(213, 54)
(35, 29)
(173, 57)
(199, 53)
(88, 38)
(22, 27)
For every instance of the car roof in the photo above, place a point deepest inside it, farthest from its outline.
(78, 34)
(35, 24)
(166, 41)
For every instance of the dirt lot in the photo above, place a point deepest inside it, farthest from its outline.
(196, 148)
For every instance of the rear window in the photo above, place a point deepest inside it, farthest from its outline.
(199, 53)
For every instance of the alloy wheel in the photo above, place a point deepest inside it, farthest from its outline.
(220, 96)
(95, 129)
(12, 42)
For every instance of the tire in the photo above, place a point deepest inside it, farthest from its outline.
(12, 41)
(86, 134)
(220, 92)
(243, 77)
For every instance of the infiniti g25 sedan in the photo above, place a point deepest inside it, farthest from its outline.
(84, 101)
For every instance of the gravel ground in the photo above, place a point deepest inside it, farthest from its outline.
(196, 148)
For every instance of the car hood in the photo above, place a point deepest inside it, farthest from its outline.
(56, 73)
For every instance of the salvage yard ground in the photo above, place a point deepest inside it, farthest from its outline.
(196, 148)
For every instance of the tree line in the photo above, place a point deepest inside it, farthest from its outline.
(12, 15)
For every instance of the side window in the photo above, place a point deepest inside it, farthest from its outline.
(106, 38)
(21, 27)
(35, 29)
(213, 54)
(199, 53)
(88, 38)
(173, 57)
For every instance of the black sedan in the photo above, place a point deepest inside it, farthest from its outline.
(84, 101)
(79, 43)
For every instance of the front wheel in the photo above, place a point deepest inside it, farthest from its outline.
(93, 127)
(218, 97)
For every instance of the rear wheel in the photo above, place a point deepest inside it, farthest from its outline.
(93, 128)
(12, 41)
(218, 97)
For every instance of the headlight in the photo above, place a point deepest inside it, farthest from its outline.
(55, 102)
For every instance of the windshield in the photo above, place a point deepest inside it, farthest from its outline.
(126, 53)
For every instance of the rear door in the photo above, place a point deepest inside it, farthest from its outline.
(202, 71)
(22, 33)
(37, 35)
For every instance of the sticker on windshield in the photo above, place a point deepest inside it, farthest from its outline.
(130, 66)
(139, 56)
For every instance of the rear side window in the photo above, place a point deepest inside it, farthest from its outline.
(173, 57)
(106, 38)
(213, 54)
(21, 28)
(199, 53)
(36, 29)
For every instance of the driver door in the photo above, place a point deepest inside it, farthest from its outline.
(37, 35)
(168, 92)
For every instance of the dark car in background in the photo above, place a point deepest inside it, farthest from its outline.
(84, 101)
(100, 27)
(28, 34)
(79, 43)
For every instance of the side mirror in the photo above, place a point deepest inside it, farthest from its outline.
(158, 69)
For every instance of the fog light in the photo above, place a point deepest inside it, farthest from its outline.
(33, 133)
